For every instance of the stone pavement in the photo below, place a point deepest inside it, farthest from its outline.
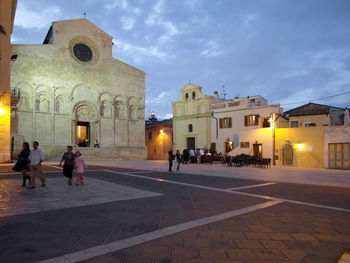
(124, 214)
(315, 176)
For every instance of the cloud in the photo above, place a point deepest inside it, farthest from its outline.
(159, 99)
(128, 23)
(168, 115)
(113, 4)
(248, 19)
(211, 49)
(138, 54)
(155, 18)
(28, 19)
(191, 3)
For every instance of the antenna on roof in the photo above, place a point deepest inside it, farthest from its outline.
(189, 81)
(223, 92)
(84, 15)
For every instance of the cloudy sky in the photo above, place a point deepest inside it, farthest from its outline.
(288, 51)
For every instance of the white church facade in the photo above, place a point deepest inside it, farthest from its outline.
(73, 92)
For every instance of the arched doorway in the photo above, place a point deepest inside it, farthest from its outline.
(84, 125)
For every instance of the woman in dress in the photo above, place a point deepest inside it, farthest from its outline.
(23, 162)
(79, 165)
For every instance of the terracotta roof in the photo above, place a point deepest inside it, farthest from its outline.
(150, 124)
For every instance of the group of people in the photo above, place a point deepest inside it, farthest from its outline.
(189, 156)
(31, 160)
(72, 162)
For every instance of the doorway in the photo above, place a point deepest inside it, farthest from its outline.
(191, 143)
(83, 134)
(339, 155)
(288, 154)
(257, 150)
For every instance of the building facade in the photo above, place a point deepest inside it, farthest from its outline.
(7, 16)
(158, 138)
(73, 92)
(233, 118)
(192, 119)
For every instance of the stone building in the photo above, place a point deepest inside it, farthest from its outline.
(7, 16)
(74, 92)
(159, 138)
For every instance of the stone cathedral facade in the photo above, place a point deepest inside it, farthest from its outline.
(73, 92)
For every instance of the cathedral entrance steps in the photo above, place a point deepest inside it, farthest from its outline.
(99, 153)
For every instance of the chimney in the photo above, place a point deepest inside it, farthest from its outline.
(216, 94)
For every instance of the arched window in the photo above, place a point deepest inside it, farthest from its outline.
(193, 95)
(130, 110)
(37, 105)
(102, 109)
(190, 128)
(186, 96)
(57, 106)
(116, 110)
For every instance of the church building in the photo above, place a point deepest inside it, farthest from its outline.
(73, 92)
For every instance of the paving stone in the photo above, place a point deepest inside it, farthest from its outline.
(303, 237)
(253, 235)
(273, 244)
(197, 242)
(249, 244)
(280, 236)
(244, 254)
(213, 253)
(294, 254)
(234, 235)
(269, 254)
(182, 252)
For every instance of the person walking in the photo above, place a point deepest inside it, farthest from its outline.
(178, 159)
(79, 165)
(23, 162)
(36, 157)
(68, 166)
(170, 159)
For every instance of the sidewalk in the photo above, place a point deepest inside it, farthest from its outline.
(325, 177)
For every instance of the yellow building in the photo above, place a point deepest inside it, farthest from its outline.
(158, 138)
(7, 15)
(315, 115)
(192, 119)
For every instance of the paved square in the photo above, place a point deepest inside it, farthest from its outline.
(129, 215)
(57, 194)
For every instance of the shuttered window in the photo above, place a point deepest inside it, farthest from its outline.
(225, 123)
(251, 120)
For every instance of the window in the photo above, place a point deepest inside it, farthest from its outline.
(186, 96)
(57, 106)
(251, 120)
(193, 95)
(150, 135)
(309, 124)
(37, 105)
(190, 128)
(294, 124)
(266, 123)
(225, 122)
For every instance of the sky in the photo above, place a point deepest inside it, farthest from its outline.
(288, 51)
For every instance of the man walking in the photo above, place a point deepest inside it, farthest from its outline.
(36, 157)
(170, 158)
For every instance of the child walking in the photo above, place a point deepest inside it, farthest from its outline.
(79, 165)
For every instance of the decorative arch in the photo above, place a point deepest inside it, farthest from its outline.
(85, 111)
(42, 102)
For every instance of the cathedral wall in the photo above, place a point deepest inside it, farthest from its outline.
(59, 92)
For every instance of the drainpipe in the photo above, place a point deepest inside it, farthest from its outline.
(216, 119)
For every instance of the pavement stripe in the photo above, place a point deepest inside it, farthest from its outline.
(136, 240)
(234, 192)
(249, 186)
(191, 185)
